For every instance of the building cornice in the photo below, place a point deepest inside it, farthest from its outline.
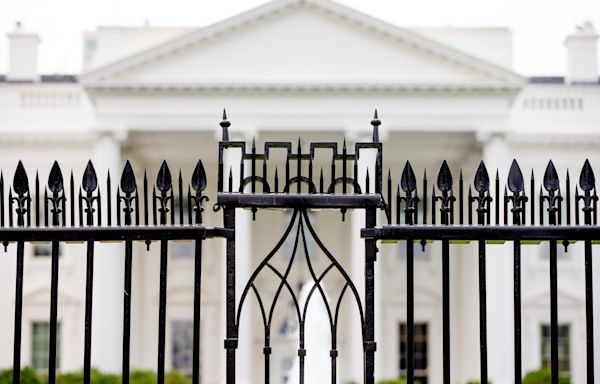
(448, 88)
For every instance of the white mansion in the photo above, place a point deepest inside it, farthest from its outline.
(289, 68)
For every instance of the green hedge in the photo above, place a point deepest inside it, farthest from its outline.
(30, 376)
(396, 381)
(543, 376)
(393, 381)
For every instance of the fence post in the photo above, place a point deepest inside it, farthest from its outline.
(369, 333)
(231, 340)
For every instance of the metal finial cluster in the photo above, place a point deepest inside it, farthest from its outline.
(485, 202)
(302, 172)
(85, 205)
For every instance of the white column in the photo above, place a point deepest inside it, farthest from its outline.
(357, 274)
(107, 315)
(499, 272)
(243, 250)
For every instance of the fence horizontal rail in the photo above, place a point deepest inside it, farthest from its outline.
(185, 232)
(247, 200)
(478, 232)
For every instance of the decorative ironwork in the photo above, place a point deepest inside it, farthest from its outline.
(350, 177)
(519, 205)
(87, 204)
(342, 189)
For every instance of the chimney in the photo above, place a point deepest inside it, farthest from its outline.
(23, 55)
(582, 58)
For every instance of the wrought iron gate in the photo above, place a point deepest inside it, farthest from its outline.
(352, 180)
(302, 191)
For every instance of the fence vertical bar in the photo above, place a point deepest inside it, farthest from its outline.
(89, 284)
(162, 311)
(18, 313)
(127, 311)
(165, 186)
(409, 185)
(197, 292)
(410, 312)
(553, 313)
(482, 313)
(517, 309)
(516, 184)
(482, 186)
(21, 188)
(231, 333)
(199, 184)
(587, 182)
(589, 312)
(446, 309)
(53, 313)
(552, 185)
(369, 345)
(89, 184)
(444, 183)
(55, 184)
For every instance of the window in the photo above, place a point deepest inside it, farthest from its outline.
(40, 345)
(182, 347)
(45, 250)
(421, 351)
(564, 349)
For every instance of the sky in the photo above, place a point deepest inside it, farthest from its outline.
(539, 26)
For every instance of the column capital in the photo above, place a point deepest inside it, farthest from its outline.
(117, 134)
(486, 137)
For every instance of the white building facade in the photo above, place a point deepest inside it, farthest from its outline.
(315, 69)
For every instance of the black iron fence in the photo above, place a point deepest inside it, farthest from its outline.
(560, 219)
(73, 212)
(347, 179)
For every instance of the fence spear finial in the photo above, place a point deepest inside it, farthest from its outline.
(225, 125)
(375, 123)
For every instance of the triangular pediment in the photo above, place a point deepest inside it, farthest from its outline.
(301, 43)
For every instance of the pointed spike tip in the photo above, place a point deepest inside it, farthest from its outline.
(515, 178)
(55, 179)
(482, 179)
(89, 183)
(128, 184)
(408, 181)
(20, 180)
(163, 180)
(199, 177)
(587, 180)
(551, 181)
(375, 122)
(444, 180)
